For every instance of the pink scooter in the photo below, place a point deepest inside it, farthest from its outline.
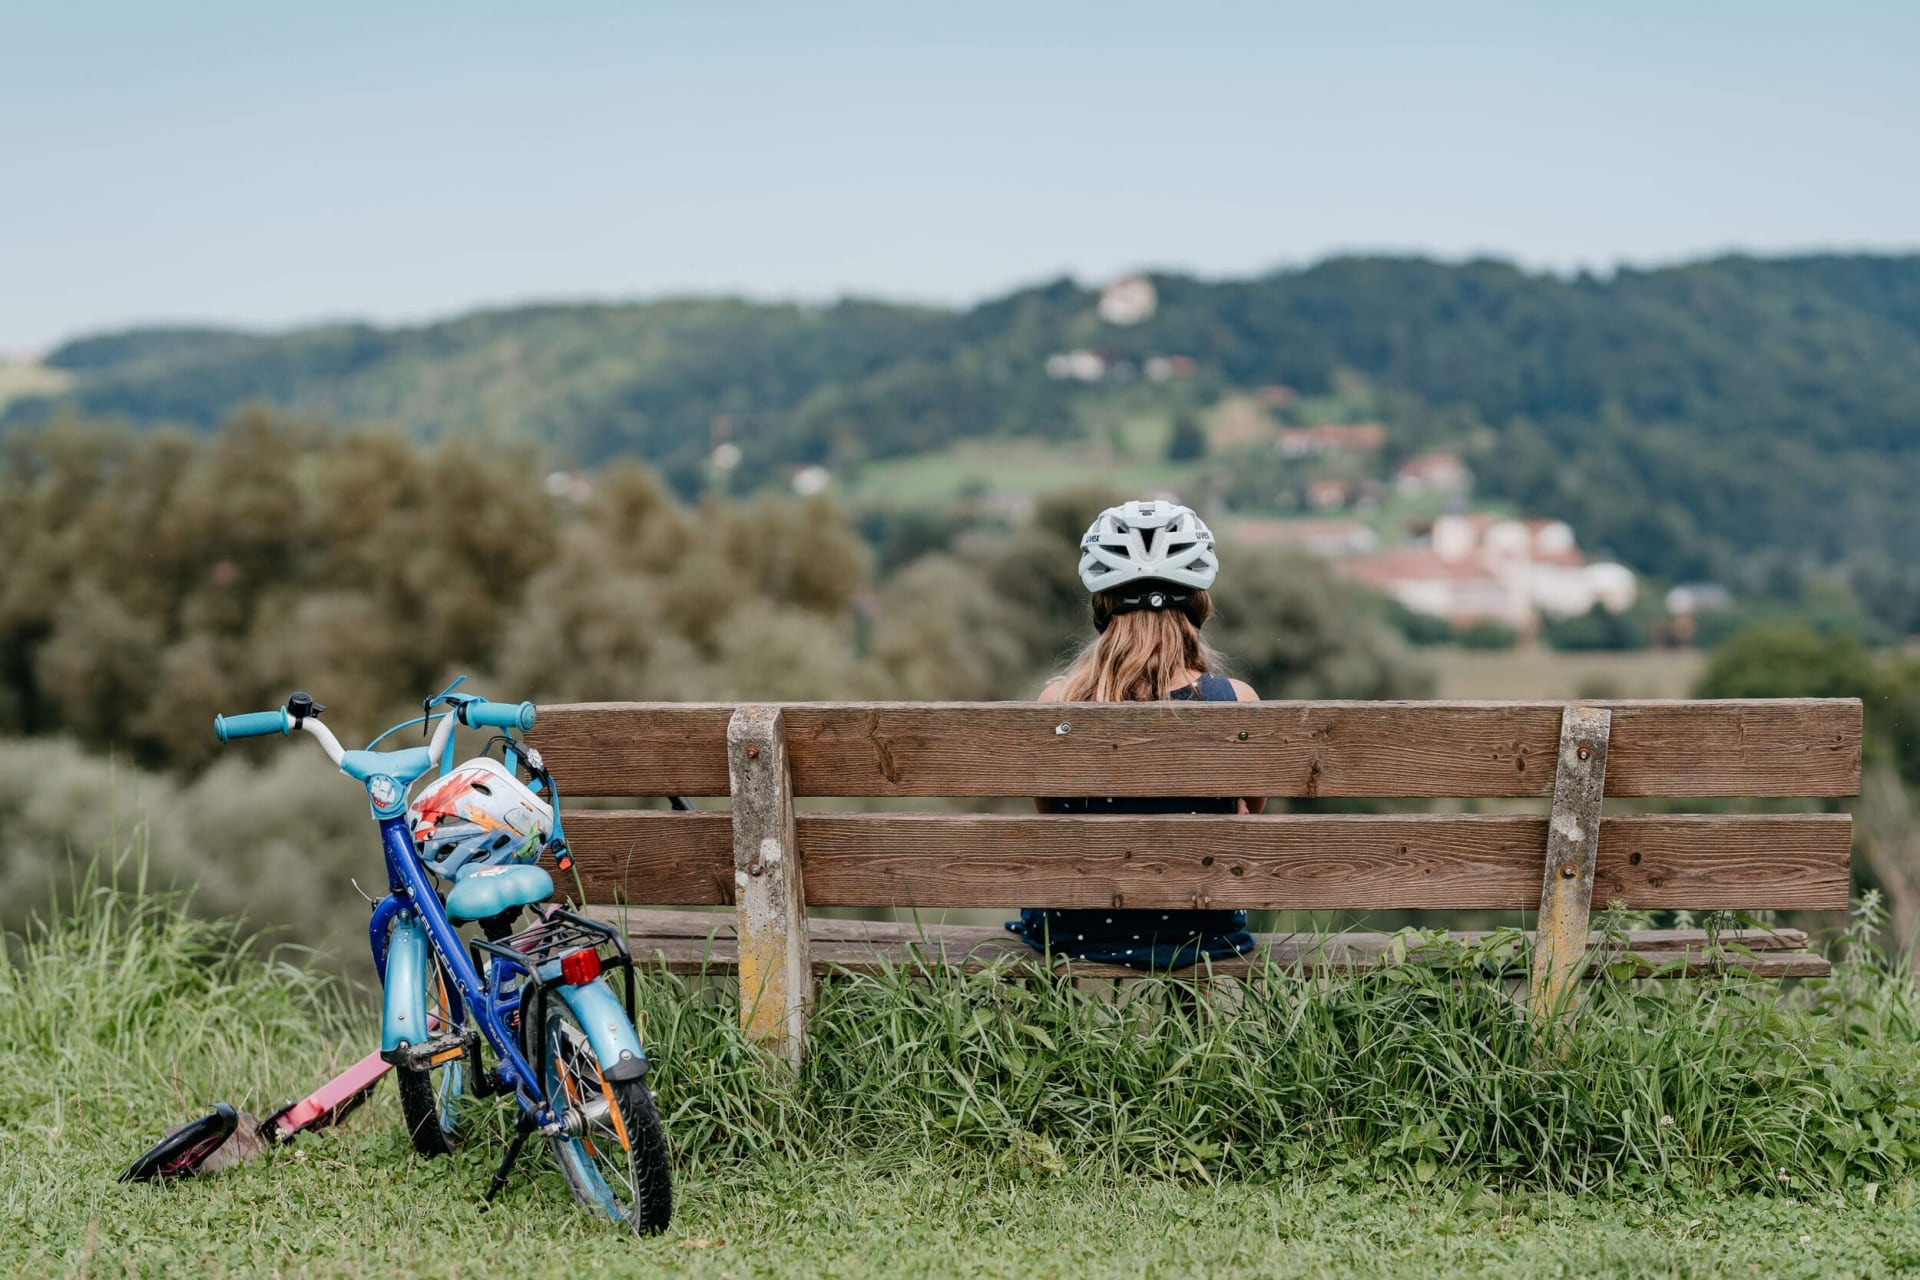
(226, 1137)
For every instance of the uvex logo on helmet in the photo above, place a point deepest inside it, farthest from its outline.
(1160, 541)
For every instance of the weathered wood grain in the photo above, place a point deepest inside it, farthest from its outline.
(1573, 843)
(1343, 862)
(687, 949)
(1772, 747)
(776, 975)
(666, 923)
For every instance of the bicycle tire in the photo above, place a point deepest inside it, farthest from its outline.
(430, 1099)
(618, 1164)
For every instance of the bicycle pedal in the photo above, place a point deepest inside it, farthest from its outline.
(435, 1052)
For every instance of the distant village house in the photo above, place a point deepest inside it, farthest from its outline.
(1483, 568)
(1128, 300)
(1332, 437)
(1433, 475)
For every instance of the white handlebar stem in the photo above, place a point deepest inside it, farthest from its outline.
(322, 734)
(331, 745)
(442, 734)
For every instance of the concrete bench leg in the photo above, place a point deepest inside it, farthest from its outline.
(776, 969)
(1573, 839)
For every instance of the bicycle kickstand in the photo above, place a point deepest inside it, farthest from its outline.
(521, 1133)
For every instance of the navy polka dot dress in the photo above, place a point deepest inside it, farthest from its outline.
(1143, 939)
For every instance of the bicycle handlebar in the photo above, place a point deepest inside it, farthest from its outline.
(498, 715)
(254, 724)
(475, 713)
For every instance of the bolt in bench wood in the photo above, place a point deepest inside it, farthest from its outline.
(769, 863)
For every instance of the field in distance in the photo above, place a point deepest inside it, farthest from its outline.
(1544, 673)
(22, 378)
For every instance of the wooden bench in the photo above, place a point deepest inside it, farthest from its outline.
(769, 863)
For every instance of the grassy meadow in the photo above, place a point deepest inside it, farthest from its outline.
(1546, 673)
(1125, 453)
(1406, 1123)
(21, 378)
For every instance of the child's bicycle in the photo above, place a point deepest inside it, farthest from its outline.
(560, 1042)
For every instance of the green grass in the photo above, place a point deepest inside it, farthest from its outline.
(22, 378)
(1007, 466)
(1407, 1124)
(360, 1204)
(1545, 673)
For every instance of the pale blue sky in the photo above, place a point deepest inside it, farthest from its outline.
(272, 164)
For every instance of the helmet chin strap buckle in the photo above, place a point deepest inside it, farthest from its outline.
(1158, 598)
(1155, 599)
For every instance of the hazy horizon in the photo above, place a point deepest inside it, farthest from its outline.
(534, 301)
(266, 169)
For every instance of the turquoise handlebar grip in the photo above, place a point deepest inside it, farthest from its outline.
(255, 724)
(499, 715)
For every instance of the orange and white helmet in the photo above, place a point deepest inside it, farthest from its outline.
(479, 815)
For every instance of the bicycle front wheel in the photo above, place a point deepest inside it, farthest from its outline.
(612, 1148)
(430, 1099)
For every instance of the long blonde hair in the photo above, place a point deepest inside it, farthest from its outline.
(1140, 656)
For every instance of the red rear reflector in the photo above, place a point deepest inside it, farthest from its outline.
(579, 966)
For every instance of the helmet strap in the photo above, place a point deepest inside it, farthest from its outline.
(1155, 599)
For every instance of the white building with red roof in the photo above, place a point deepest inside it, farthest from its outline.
(1485, 568)
(1432, 474)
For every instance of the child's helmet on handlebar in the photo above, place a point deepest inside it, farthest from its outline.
(479, 815)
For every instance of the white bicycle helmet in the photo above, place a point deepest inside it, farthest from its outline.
(479, 815)
(1157, 541)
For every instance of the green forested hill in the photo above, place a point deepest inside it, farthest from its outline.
(1737, 418)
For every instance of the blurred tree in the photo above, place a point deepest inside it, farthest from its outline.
(1602, 628)
(1292, 631)
(1485, 634)
(944, 632)
(156, 579)
(1035, 573)
(1787, 661)
(153, 580)
(1418, 628)
(1187, 443)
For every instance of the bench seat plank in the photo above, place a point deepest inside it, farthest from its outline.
(1771, 747)
(1289, 862)
(691, 942)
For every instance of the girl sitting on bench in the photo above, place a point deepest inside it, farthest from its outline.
(1148, 565)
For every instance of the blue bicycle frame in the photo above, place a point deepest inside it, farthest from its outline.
(411, 936)
(406, 999)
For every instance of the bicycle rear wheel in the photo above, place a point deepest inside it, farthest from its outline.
(613, 1148)
(430, 1099)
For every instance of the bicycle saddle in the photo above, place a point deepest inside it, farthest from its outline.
(488, 891)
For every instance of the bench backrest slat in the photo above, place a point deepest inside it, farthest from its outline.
(1305, 862)
(1775, 747)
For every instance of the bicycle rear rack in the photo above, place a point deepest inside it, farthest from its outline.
(535, 952)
